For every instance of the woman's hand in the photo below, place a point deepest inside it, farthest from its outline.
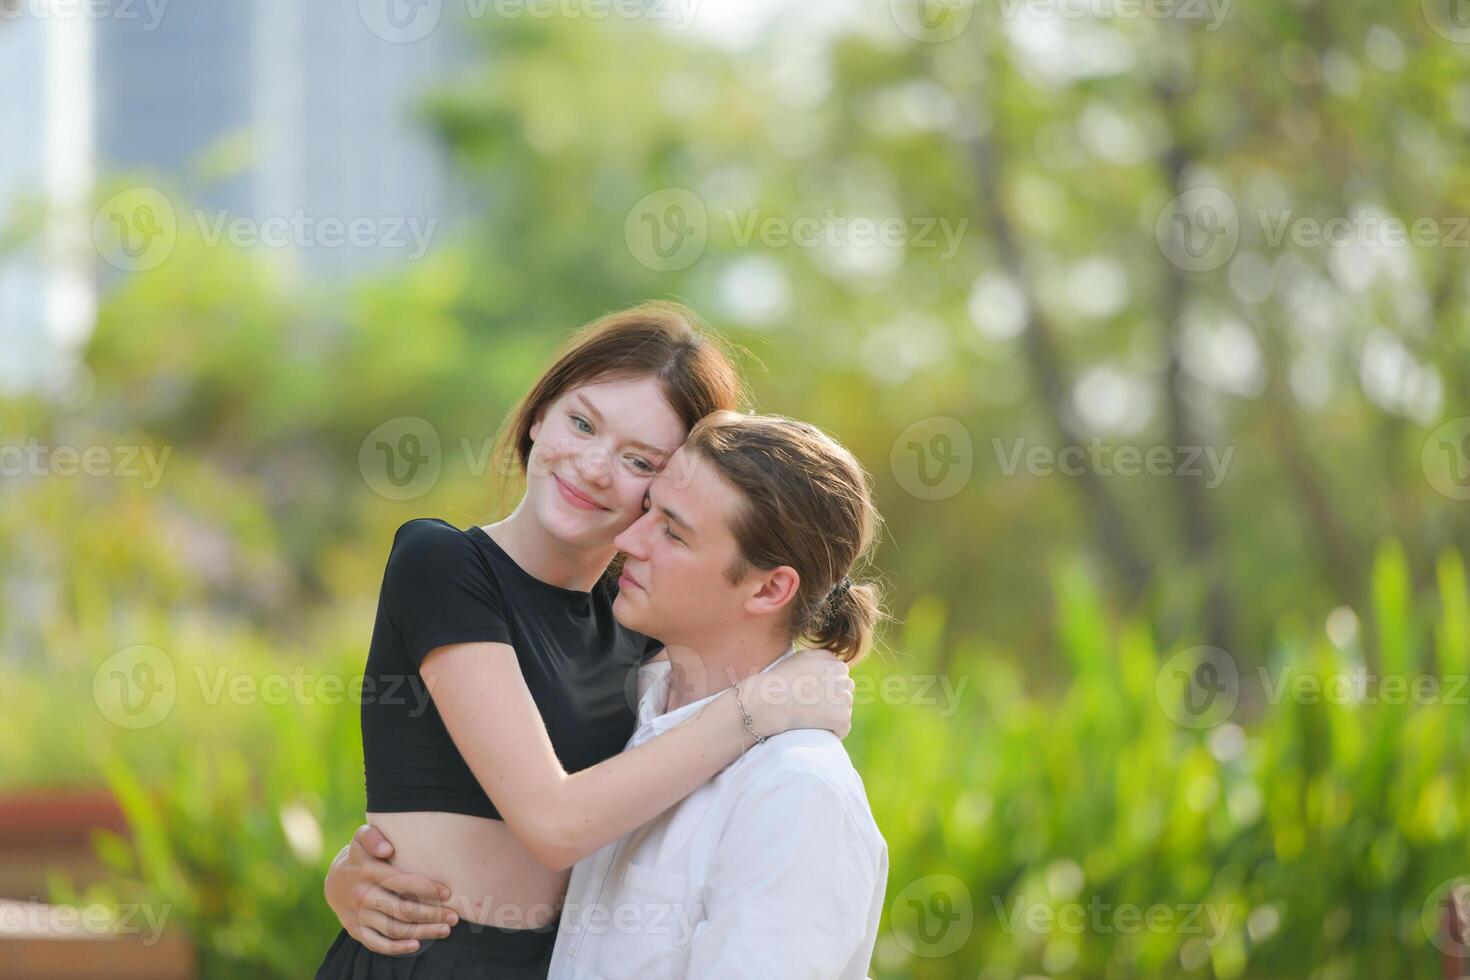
(810, 689)
(381, 907)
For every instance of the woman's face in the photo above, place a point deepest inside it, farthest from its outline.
(594, 451)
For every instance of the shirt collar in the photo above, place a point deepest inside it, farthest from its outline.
(653, 719)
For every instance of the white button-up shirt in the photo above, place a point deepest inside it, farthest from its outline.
(772, 869)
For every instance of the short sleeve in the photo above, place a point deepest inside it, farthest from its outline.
(795, 887)
(437, 590)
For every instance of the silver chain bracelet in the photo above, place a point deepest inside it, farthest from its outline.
(747, 721)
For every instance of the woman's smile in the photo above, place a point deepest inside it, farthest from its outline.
(576, 497)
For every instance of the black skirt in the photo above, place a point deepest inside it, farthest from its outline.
(470, 952)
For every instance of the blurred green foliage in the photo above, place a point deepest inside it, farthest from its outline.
(1312, 843)
(1089, 834)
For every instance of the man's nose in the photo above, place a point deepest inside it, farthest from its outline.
(630, 542)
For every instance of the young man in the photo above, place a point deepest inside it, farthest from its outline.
(775, 867)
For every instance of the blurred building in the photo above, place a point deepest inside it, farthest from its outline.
(45, 154)
(283, 113)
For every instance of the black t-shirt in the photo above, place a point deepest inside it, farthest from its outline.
(443, 585)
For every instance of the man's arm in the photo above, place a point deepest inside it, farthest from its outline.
(791, 889)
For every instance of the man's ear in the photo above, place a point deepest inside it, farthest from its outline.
(776, 589)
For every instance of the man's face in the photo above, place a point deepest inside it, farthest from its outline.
(675, 585)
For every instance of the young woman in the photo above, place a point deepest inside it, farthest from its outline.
(499, 763)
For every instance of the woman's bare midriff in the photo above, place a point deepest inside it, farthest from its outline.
(493, 878)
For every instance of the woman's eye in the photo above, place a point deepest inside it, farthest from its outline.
(670, 532)
(642, 465)
(582, 424)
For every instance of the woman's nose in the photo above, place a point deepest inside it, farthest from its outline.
(594, 464)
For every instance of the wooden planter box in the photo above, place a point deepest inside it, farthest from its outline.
(43, 830)
(51, 830)
(44, 942)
